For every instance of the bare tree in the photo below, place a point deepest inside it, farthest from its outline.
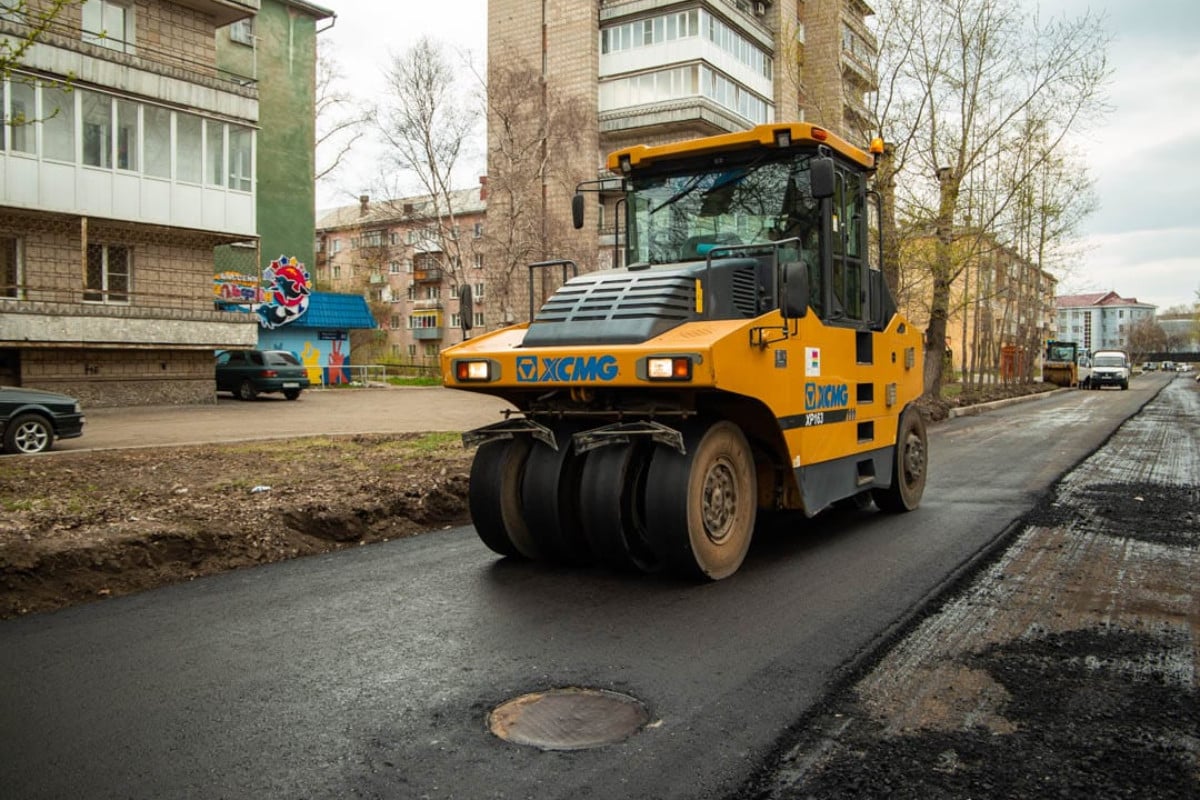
(341, 122)
(1146, 336)
(532, 134)
(973, 74)
(426, 119)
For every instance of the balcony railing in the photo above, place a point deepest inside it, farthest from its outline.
(431, 275)
(426, 334)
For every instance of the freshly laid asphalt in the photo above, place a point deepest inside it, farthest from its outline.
(404, 409)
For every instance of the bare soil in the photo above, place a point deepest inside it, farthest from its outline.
(77, 527)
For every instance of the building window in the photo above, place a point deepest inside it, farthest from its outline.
(477, 291)
(337, 273)
(336, 246)
(456, 320)
(214, 152)
(241, 151)
(242, 31)
(189, 149)
(127, 135)
(478, 230)
(97, 128)
(109, 23)
(20, 116)
(431, 351)
(58, 124)
(108, 274)
(479, 261)
(10, 268)
(394, 322)
(478, 321)
(156, 130)
(412, 351)
(394, 268)
(433, 292)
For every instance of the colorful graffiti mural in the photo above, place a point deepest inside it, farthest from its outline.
(286, 297)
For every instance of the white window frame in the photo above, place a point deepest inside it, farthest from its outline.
(242, 31)
(107, 273)
(123, 41)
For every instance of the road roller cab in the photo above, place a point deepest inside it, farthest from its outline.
(748, 357)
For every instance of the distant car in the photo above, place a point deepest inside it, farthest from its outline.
(30, 419)
(1149, 366)
(1183, 367)
(249, 373)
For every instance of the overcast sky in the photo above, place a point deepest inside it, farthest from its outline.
(1143, 242)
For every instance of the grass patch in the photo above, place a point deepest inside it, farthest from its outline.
(414, 380)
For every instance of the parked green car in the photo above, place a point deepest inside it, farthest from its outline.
(30, 419)
(249, 373)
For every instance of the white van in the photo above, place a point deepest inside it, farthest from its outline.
(1110, 368)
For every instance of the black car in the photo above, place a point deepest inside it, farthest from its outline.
(249, 373)
(30, 419)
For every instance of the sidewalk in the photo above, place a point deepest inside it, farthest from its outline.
(403, 409)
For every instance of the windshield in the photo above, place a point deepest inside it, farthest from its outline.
(682, 217)
(1058, 352)
(1108, 361)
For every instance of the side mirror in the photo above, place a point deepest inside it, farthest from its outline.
(794, 303)
(821, 177)
(577, 211)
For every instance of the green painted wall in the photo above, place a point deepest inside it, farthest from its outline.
(285, 65)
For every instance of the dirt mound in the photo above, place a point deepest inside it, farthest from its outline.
(75, 527)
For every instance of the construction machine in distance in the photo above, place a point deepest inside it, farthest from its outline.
(1061, 366)
(748, 357)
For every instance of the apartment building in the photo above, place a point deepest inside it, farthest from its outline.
(412, 258)
(276, 50)
(1099, 320)
(1001, 306)
(126, 159)
(651, 71)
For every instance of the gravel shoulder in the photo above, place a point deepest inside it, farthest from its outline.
(1067, 667)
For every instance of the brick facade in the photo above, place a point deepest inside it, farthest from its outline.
(112, 310)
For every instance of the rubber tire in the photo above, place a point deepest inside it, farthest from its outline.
(550, 497)
(612, 506)
(291, 394)
(718, 456)
(1125, 386)
(246, 391)
(18, 433)
(494, 497)
(910, 466)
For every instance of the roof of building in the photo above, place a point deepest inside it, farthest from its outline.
(402, 209)
(340, 311)
(1097, 299)
(312, 9)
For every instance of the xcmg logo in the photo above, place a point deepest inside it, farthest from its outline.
(566, 368)
(817, 396)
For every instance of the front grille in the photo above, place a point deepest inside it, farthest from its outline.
(625, 296)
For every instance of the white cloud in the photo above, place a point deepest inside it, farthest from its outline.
(1155, 266)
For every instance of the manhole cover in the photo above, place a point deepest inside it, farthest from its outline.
(568, 719)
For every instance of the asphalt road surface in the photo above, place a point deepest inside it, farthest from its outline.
(370, 673)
